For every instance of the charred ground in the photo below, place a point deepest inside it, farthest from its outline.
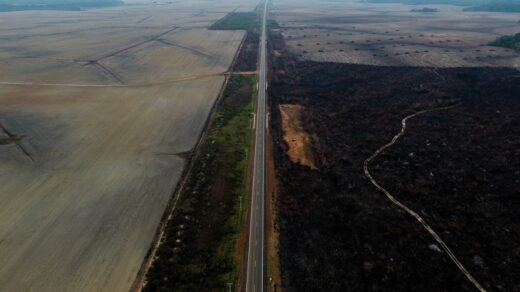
(457, 168)
(248, 55)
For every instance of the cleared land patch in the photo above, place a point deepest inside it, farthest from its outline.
(392, 35)
(104, 168)
(295, 136)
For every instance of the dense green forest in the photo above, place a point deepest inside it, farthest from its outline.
(508, 41)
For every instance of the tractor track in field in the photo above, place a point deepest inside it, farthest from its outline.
(129, 85)
(189, 49)
(153, 38)
(108, 71)
(15, 139)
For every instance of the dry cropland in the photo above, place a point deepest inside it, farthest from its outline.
(97, 108)
(393, 35)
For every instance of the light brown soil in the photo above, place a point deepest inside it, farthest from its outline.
(84, 191)
(295, 136)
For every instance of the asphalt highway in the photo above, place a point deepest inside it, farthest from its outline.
(255, 257)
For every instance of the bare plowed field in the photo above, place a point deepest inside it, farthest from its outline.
(97, 109)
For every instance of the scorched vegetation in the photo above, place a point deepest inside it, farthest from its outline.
(457, 168)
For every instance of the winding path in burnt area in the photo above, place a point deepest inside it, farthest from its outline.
(405, 208)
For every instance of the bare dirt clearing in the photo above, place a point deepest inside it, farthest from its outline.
(392, 35)
(97, 138)
(295, 135)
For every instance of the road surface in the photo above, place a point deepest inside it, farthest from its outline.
(255, 255)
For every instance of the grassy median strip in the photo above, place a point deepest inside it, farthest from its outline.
(198, 250)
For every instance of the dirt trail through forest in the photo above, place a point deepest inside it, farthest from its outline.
(408, 210)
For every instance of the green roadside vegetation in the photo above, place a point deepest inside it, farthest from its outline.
(508, 41)
(198, 251)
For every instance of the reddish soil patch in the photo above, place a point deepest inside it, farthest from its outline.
(295, 136)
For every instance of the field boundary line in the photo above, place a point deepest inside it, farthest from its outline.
(127, 85)
(186, 48)
(135, 45)
(410, 212)
(59, 84)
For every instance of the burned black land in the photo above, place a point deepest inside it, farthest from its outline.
(458, 168)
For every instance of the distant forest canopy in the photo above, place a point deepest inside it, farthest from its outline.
(425, 9)
(511, 42)
(18, 5)
(496, 6)
(472, 5)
